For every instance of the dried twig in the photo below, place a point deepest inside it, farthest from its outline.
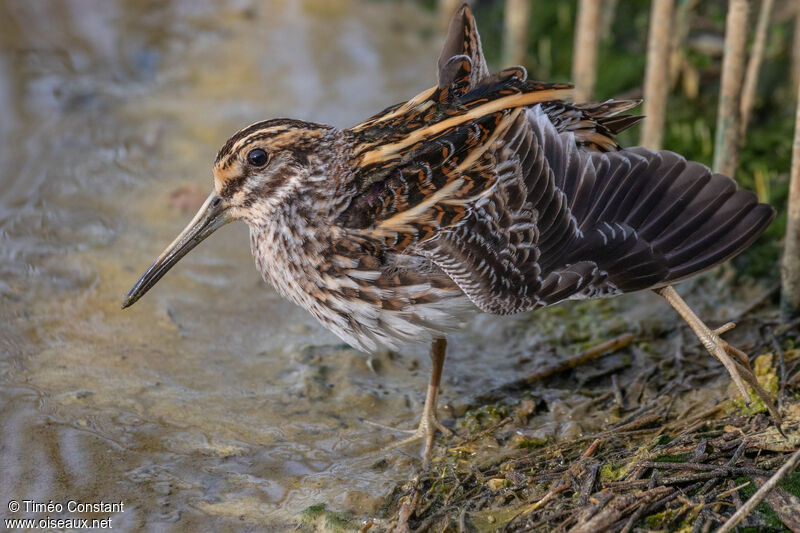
(587, 355)
(618, 507)
(592, 447)
(785, 504)
(742, 471)
(634, 424)
(761, 493)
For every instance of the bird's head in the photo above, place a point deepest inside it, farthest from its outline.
(254, 172)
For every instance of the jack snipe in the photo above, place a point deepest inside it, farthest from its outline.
(487, 192)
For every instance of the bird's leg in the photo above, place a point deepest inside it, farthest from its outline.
(735, 361)
(430, 422)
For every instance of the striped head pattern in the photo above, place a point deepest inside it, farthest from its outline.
(260, 165)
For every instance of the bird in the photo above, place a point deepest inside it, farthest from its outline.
(487, 192)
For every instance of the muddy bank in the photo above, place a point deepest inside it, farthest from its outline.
(660, 440)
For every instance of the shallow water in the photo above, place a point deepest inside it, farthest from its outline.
(212, 403)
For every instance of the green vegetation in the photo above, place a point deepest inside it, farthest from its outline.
(770, 517)
(483, 417)
(767, 375)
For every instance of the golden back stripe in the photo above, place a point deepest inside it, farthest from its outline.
(399, 222)
(405, 108)
(391, 151)
(501, 129)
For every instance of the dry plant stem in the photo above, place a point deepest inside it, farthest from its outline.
(642, 511)
(754, 66)
(617, 507)
(726, 142)
(591, 449)
(446, 9)
(735, 361)
(546, 498)
(796, 47)
(656, 77)
(634, 424)
(680, 32)
(790, 267)
(515, 36)
(407, 509)
(784, 503)
(587, 355)
(584, 55)
(761, 493)
(607, 16)
(703, 467)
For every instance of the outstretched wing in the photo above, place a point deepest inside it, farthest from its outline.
(567, 223)
(523, 200)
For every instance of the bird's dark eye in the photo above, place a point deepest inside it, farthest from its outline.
(257, 157)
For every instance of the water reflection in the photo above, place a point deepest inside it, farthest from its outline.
(204, 401)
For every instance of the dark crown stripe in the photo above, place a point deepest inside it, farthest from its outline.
(257, 131)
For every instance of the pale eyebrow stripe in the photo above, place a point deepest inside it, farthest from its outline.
(225, 160)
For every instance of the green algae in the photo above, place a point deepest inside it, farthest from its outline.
(483, 417)
(318, 517)
(767, 375)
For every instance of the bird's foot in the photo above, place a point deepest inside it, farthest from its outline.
(426, 431)
(737, 363)
(732, 358)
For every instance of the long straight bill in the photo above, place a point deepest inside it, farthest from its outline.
(211, 216)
